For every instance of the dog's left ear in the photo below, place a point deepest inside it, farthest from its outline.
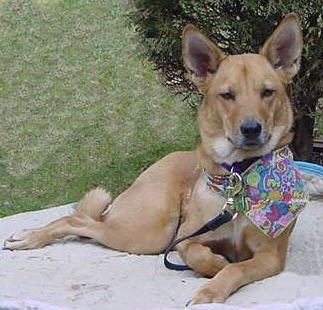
(284, 47)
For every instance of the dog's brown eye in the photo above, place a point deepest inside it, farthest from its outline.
(267, 92)
(228, 96)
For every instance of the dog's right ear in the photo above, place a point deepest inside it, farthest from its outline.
(201, 57)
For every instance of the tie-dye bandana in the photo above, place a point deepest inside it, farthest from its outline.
(273, 192)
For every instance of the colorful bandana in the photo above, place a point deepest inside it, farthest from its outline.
(273, 192)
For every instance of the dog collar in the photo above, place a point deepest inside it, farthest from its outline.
(273, 191)
(218, 182)
(240, 166)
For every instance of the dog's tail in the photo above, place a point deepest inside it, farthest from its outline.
(94, 203)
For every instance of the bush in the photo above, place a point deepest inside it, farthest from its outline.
(237, 27)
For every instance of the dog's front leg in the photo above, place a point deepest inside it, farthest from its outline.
(235, 275)
(201, 259)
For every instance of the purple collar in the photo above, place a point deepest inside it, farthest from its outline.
(240, 166)
(217, 182)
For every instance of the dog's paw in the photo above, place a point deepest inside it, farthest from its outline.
(24, 240)
(207, 295)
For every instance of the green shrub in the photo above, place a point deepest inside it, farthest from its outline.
(237, 27)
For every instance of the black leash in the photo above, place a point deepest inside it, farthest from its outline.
(224, 217)
(234, 187)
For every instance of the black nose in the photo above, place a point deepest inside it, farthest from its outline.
(251, 129)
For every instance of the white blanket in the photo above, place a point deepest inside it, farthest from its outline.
(84, 275)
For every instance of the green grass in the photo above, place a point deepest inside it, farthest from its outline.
(78, 106)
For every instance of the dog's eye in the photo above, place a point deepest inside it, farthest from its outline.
(228, 96)
(267, 92)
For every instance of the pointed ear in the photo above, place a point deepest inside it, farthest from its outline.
(284, 47)
(201, 56)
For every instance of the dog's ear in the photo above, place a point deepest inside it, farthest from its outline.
(201, 56)
(284, 47)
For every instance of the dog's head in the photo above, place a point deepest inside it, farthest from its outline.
(246, 111)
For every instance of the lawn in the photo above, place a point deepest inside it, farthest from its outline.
(79, 106)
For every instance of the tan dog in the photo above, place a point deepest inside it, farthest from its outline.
(245, 113)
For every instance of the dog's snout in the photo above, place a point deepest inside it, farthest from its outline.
(250, 129)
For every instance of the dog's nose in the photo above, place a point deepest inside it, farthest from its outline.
(250, 129)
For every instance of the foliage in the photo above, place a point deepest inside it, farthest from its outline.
(318, 114)
(236, 26)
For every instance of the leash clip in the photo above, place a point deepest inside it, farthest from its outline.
(233, 189)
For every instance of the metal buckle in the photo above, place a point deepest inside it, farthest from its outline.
(233, 189)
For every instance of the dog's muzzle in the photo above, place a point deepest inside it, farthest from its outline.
(251, 134)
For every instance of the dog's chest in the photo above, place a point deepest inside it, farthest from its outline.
(228, 239)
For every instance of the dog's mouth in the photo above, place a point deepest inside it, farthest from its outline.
(244, 143)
